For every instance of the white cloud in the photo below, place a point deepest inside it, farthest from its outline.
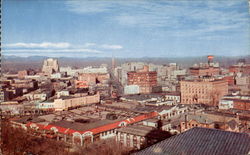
(39, 45)
(47, 47)
(87, 6)
(112, 47)
(52, 50)
(180, 17)
(94, 6)
(89, 44)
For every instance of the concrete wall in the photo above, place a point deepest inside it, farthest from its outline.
(226, 104)
(131, 89)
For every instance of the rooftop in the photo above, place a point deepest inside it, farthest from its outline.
(220, 113)
(81, 126)
(142, 96)
(136, 130)
(152, 108)
(197, 141)
(199, 118)
(203, 67)
(176, 93)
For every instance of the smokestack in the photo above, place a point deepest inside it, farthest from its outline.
(186, 117)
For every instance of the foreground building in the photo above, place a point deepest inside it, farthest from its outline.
(204, 141)
(79, 131)
(204, 120)
(206, 91)
(138, 136)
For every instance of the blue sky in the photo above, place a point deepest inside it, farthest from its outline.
(135, 28)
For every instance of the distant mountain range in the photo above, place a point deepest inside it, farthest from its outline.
(15, 63)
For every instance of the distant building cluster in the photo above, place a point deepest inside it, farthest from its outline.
(137, 104)
(149, 77)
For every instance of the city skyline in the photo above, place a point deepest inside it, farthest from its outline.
(117, 77)
(125, 29)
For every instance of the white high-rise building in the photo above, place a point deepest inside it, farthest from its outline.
(50, 66)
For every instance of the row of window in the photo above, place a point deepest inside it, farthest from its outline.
(108, 132)
(198, 96)
(196, 91)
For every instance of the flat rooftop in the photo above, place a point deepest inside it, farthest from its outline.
(152, 108)
(136, 130)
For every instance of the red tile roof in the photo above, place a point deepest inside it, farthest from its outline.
(98, 129)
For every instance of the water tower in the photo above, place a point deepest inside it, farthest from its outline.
(210, 59)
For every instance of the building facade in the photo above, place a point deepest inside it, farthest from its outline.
(205, 91)
(68, 102)
(144, 78)
(204, 71)
(174, 96)
(226, 104)
(94, 78)
(241, 104)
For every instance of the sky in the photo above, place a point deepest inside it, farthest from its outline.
(128, 28)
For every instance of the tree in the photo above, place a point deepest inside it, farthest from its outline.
(16, 140)
(105, 147)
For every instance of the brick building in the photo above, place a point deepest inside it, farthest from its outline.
(206, 91)
(81, 84)
(22, 74)
(93, 78)
(144, 78)
(243, 68)
(203, 71)
(236, 101)
(190, 121)
(230, 79)
(241, 104)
